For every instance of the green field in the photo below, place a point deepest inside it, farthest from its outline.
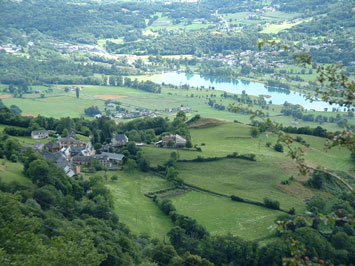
(133, 208)
(223, 216)
(12, 172)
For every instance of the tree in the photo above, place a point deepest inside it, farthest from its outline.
(188, 144)
(38, 171)
(130, 165)
(15, 109)
(254, 132)
(278, 147)
(77, 92)
(170, 143)
(65, 133)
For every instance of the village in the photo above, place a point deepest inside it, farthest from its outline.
(75, 156)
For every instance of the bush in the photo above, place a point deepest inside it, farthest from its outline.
(292, 211)
(254, 132)
(188, 144)
(13, 158)
(278, 147)
(268, 144)
(317, 180)
(271, 204)
(236, 198)
(285, 182)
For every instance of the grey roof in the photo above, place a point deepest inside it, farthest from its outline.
(80, 158)
(75, 149)
(69, 139)
(38, 145)
(39, 132)
(120, 137)
(52, 144)
(114, 156)
(54, 157)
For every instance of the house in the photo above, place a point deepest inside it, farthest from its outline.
(51, 146)
(69, 141)
(38, 147)
(58, 158)
(106, 159)
(176, 140)
(88, 150)
(80, 160)
(114, 158)
(119, 140)
(40, 134)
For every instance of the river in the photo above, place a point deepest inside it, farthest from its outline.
(277, 95)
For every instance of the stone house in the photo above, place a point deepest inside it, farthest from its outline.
(177, 140)
(119, 140)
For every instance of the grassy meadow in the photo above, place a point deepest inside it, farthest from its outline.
(133, 208)
(12, 172)
(222, 216)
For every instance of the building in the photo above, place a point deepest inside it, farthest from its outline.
(51, 146)
(40, 134)
(69, 141)
(119, 140)
(38, 147)
(176, 140)
(106, 159)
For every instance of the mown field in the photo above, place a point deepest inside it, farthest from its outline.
(223, 216)
(133, 208)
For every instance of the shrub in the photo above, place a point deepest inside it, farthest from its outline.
(254, 132)
(271, 204)
(278, 147)
(236, 198)
(292, 211)
(285, 182)
(188, 144)
(13, 158)
(268, 144)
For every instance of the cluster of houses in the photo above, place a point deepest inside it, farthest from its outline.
(72, 154)
(129, 114)
(178, 109)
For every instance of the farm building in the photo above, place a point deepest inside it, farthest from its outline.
(176, 140)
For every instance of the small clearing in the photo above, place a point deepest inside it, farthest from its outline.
(6, 96)
(30, 115)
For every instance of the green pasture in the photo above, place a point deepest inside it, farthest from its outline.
(336, 158)
(133, 208)
(12, 172)
(222, 216)
(250, 180)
